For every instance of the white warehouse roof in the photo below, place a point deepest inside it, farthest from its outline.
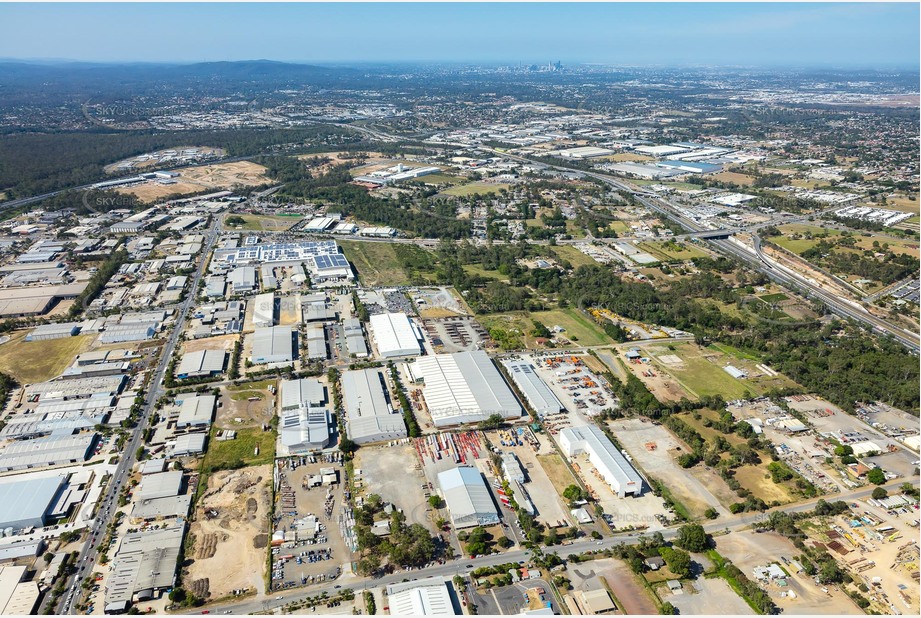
(196, 411)
(608, 461)
(428, 597)
(468, 497)
(465, 388)
(394, 335)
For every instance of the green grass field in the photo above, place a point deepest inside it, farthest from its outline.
(578, 326)
(672, 251)
(36, 361)
(440, 179)
(475, 187)
(573, 256)
(240, 451)
(774, 298)
(376, 262)
(476, 269)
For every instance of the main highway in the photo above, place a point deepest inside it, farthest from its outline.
(754, 258)
(108, 501)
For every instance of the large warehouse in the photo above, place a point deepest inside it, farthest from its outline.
(275, 344)
(52, 450)
(468, 498)
(201, 363)
(394, 335)
(196, 411)
(428, 597)
(535, 391)
(27, 502)
(369, 417)
(464, 388)
(608, 461)
(304, 420)
(144, 567)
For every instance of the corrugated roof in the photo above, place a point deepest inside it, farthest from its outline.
(467, 496)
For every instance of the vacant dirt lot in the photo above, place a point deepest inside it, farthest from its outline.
(196, 179)
(660, 463)
(632, 596)
(230, 534)
(252, 403)
(394, 473)
(750, 549)
(706, 596)
(222, 342)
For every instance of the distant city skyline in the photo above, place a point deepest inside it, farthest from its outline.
(845, 35)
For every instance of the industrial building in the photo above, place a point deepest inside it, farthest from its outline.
(395, 335)
(154, 509)
(535, 391)
(329, 268)
(242, 280)
(464, 388)
(305, 420)
(189, 444)
(160, 485)
(17, 597)
(196, 411)
(126, 333)
(354, 338)
(53, 331)
(468, 498)
(315, 337)
(53, 450)
(144, 567)
(369, 417)
(275, 344)
(28, 502)
(427, 597)
(201, 364)
(80, 388)
(609, 462)
(264, 310)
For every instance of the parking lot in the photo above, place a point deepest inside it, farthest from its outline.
(514, 599)
(454, 334)
(706, 597)
(307, 540)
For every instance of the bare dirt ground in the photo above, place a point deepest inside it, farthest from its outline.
(660, 463)
(193, 180)
(222, 342)
(393, 473)
(236, 404)
(230, 534)
(659, 383)
(632, 596)
(706, 596)
(750, 549)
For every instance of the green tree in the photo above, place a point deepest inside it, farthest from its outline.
(876, 476)
(693, 537)
(679, 562)
(879, 493)
(435, 502)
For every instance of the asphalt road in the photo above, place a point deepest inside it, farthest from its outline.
(109, 500)
(463, 566)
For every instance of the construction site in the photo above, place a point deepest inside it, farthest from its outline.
(229, 535)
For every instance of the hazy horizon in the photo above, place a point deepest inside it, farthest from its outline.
(743, 35)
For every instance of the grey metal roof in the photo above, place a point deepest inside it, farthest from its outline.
(465, 387)
(604, 456)
(535, 390)
(467, 495)
(303, 392)
(368, 415)
(27, 497)
(145, 561)
(197, 410)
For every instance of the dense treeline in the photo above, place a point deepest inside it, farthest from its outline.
(34, 163)
(98, 281)
(841, 362)
(432, 219)
(891, 267)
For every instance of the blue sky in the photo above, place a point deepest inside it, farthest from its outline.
(819, 34)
